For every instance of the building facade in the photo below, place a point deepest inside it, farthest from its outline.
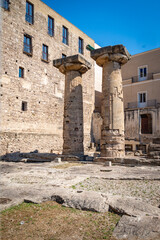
(32, 89)
(141, 87)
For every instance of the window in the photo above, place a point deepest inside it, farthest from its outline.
(5, 4)
(21, 72)
(142, 99)
(65, 35)
(80, 45)
(142, 74)
(45, 52)
(24, 106)
(63, 55)
(29, 12)
(50, 26)
(27, 44)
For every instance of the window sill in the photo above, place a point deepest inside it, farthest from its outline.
(8, 10)
(28, 54)
(43, 60)
(29, 23)
(51, 35)
(67, 45)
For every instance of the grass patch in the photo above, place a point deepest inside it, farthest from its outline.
(51, 221)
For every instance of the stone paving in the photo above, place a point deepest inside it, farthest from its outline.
(131, 191)
(23, 180)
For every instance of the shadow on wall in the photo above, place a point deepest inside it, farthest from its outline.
(73, 134)
(98, 101)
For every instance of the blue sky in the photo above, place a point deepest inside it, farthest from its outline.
(135, 24)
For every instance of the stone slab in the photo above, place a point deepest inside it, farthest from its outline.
(139, 228)
(131, 206)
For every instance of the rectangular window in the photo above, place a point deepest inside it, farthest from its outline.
(21, 72)
(5, 4)
(65, 35)
(50, 26)
(80, 44)
(24, 106)
(142, 73)
(29, 12)
(45, 52)
(63, 55)
(142, 97)
(27, 44)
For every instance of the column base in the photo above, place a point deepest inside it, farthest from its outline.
(112, 144)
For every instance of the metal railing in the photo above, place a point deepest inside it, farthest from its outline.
(138, 78)
(149, 103)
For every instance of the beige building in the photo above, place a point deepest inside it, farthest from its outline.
(32, 89)
(141, 87)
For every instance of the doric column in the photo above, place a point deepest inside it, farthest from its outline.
(112, 133)
(73, 67)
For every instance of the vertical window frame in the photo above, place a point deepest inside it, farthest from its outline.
(142, 73)
(5, 4)
(65, 35)
(24, 106)
(44, 52)
(80, 45)
(27, 47)
(29, 17)
(21, 72)
(50, 26)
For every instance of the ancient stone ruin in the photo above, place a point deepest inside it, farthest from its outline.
(112, 133)
(73, 67)
(112, 138)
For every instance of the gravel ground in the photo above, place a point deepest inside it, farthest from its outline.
(148, 190)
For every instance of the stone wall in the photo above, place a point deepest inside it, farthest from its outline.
(41, 126)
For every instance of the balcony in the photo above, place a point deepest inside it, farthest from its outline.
(138, 78)
(135, 79)
(149, 103)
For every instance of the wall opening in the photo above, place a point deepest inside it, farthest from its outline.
(146, 124)
(24, 106)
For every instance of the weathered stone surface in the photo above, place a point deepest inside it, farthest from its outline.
(73, 67)
(72, 63)
(38, 182)
(139, 228)
(117, 53)
(84, 200)
(154, 151)
(112, 132)
(132, 207)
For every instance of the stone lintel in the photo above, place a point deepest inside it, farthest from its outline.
(116, 53)
(72, 63)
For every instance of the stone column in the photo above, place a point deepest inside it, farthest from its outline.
(112, 133)
(73, 67)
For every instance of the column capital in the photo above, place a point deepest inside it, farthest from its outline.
(72, 63)
(116, 53)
